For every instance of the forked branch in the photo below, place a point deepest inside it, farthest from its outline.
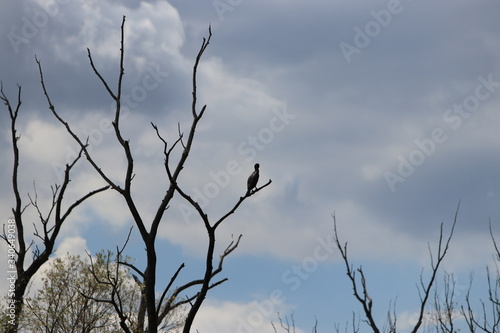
(425, 288)
(362, 295)
(359, 284)
(56, 214)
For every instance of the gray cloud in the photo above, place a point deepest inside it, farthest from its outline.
(354, 120)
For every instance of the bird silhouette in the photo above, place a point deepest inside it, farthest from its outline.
(253, 179)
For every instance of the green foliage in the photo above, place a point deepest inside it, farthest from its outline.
(65, 302)
(76, 295)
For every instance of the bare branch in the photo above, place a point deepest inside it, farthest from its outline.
(497, 251)
(230, 248)
(18, 209)
(111, 280)
(441, 253)
(239, 202)
(364, 299)
(83, 145)
(315, 327)
(108, 89)
(204, 45)
(48, 233)
(160, 302)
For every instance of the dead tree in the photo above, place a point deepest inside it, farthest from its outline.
(51, 219)
(487, 318)
(155, 309)
(359, 283)
(444, 313)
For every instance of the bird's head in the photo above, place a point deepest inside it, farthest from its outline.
(256, 166)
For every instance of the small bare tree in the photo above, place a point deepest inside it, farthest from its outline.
(487, 318)
(445, 311)
(50, 220)
(288, 324)
(359, 283)
(155, 309)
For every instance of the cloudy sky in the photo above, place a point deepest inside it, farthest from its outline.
(384, 113)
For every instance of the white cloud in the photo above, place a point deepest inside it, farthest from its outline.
(407, 320)
(71, 245)
(353, 121)
(43, 141)
(153, 28)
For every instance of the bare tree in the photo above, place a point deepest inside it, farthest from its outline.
(287, 324)
(50, 220)
(360, 286)
(445, 310)
(354, 324)
(487, 318)
(155, 310)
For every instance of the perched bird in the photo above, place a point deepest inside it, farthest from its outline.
(253, 179)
